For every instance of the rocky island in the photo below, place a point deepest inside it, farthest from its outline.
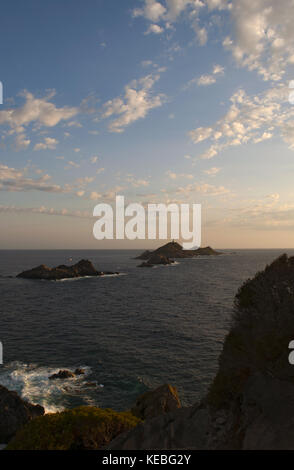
(156, 259)
(172, 250)
(83, 268)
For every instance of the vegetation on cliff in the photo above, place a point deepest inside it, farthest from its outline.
(263, 326)
(82, 428)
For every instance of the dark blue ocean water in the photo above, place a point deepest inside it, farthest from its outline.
(131, 332)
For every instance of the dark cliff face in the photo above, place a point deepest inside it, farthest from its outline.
(15, 413)
(250, 404)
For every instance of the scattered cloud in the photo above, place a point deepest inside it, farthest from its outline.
(263, 34)
(38, 111)
(205, 80)
(154, 29)
(71, 164)
(49, 143)
(15, 180)
(205, 188)
(45, 211)
(212, 171)
(249, 120)
(136, 103)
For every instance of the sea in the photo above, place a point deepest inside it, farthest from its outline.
(130, 332)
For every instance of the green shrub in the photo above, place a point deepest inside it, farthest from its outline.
(85, 427)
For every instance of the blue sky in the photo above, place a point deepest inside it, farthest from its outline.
(161, 101)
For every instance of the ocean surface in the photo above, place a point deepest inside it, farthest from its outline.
(130, 332)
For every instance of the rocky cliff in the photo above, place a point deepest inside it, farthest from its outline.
(15, 413)
(250, 404)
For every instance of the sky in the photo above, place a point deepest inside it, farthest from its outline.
(170, 101)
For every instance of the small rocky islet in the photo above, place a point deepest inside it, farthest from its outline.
(166, 254)
(84, 268)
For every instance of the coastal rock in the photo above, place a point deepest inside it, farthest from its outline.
(62, 374)
(154, 260)
(155, 402)
(174, 250)
(79, 371)
(81, 269)
(15, 413)
(250, 404)
(145, 264)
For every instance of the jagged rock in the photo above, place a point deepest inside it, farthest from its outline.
(62, 374)
(81, 269)
(250, 404)
(79, 371)
(155, 402)
(174, 250)
(154, 260)
(145, 264)
(15, 413)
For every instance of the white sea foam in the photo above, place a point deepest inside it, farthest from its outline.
(32, 383)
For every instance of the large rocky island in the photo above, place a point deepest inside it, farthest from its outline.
(83, 268)
(172, 250)
(249, 404)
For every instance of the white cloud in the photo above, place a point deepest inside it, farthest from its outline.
(12, 179)
(212, 171)
(39, 111)
(205, 80)
(262, 39)
(249, 120)
(71, 164)
(137, 182)
(174, 176)
(135, 104)
(200, 134)
(45, 211)
(49, 143)
(94, 159)
(152, 10)
(94, 195)
(154, 29)
(21, 142)
(208, 79)
(204, 188)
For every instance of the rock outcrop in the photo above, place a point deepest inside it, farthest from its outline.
(174, 250)
(250, 404)
(62, 374)
(83, 268)
(67, 374)
(156, 259)
(156, 402)
(15, 413)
